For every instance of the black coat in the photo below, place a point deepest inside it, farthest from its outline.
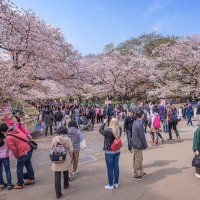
(108, 137)
(128, 123)
(58, 116)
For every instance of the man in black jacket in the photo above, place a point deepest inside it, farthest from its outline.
(139, 144)
(58, 118)
(128, 123)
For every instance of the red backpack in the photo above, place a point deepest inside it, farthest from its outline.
(156, 122)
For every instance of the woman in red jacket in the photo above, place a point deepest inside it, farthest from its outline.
(16, 142)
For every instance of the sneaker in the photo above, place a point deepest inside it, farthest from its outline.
(10, 187)
(76, 172)
(108, 187)
(178, 139)
(116, 185)
(144, 174)
(197, 175)
(18, 187)
(169, 139)
(2, 187)
(70, 178)
(58, 195)
(29, 182)
(138, 178)
(66, 186)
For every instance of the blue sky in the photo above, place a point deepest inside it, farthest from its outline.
(91, 24)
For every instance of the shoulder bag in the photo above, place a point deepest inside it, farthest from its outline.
(32, 144)
(117, 144)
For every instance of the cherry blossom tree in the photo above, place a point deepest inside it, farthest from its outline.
(117, 73)
(179, 65)
(32, 51)
(36, 61)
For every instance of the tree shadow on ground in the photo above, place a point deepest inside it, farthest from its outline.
(159, 163)
(162, 174)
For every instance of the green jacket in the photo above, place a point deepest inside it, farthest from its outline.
(196, 140)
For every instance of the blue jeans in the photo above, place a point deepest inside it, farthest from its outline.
(165, 125)
(6, 163)
(129, 139)
(22, 161)
(189, 118)
(77, 118)
(112, 163)
(58, 124)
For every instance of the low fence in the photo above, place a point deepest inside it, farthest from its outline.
(29, 123)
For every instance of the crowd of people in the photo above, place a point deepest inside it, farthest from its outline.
(139, 118)
(15, 140)
(67, 120)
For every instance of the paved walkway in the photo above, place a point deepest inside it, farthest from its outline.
(168, 166)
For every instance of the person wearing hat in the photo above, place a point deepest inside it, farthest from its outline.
(128, 123)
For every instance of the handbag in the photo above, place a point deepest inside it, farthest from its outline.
(83, 145)
(58, 154)
(196, 161)
(117, 144)
(32, 144)
(38, 127)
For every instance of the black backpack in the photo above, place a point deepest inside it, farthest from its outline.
(174, 115)
(58, 116)
(110, 111)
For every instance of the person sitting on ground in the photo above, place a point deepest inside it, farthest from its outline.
(58, 167)
(76, 137)
(21, 151)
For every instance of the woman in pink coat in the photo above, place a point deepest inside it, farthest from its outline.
(17, 122)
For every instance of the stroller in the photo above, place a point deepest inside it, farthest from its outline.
(85, 124)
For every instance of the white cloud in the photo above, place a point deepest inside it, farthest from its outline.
(163, 23)
(158, 26)
(157, 5)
